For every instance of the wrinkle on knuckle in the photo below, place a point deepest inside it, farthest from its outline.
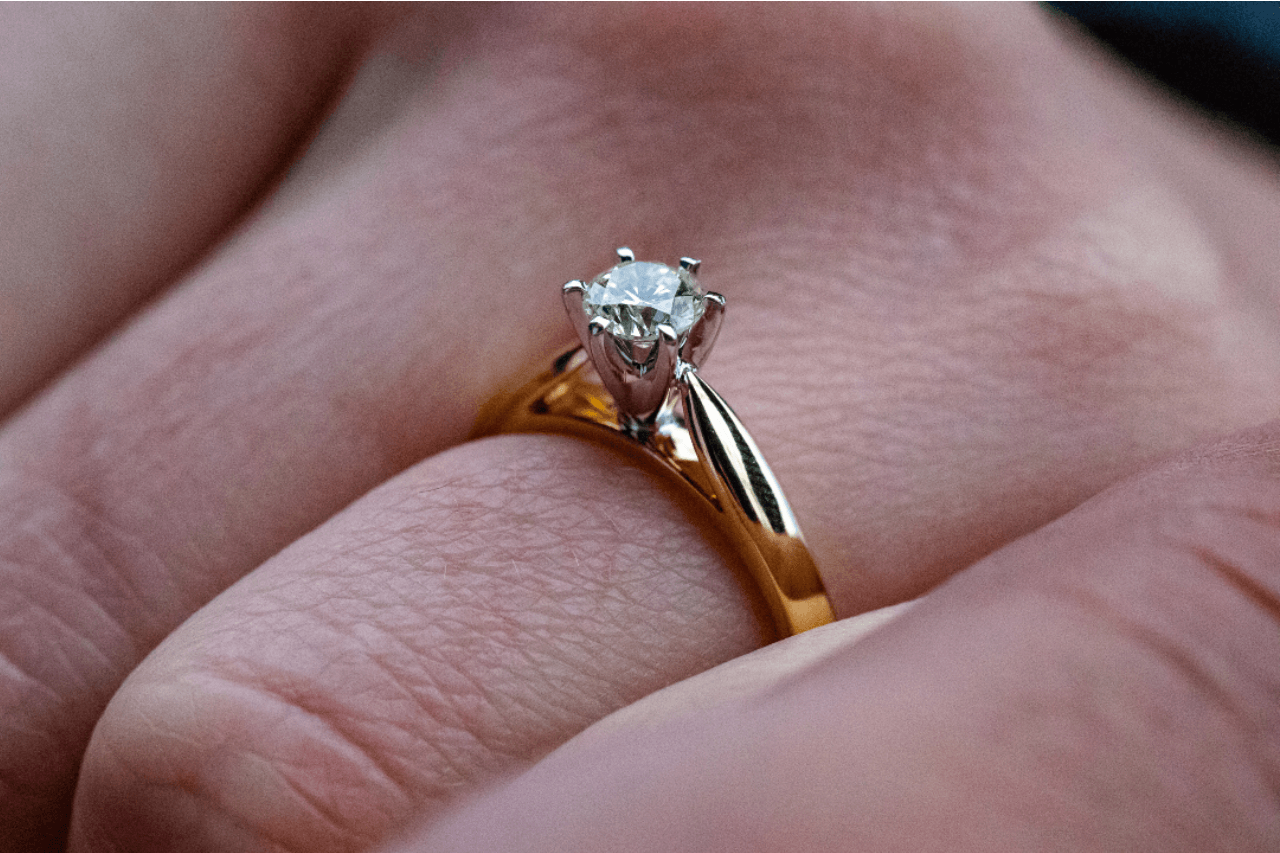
(1189, 597)
(249, 754)
(1230, 528)
(90, 584)
(81, 600)
(1230, 535)
(311, 731)
(1164, 704)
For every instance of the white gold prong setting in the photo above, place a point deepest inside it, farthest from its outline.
(639, 322)
(702, 336)
(666, 358)
(572, 294)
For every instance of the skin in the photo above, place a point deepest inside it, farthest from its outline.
(1001, 319)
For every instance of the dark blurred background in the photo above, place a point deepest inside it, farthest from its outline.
(1223, 56)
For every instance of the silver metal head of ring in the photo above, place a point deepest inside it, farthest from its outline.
(642, 323)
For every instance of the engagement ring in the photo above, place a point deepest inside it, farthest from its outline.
(633, 384)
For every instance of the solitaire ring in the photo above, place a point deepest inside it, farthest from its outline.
(633, 384)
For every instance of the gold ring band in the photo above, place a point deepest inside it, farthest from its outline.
(712, 455)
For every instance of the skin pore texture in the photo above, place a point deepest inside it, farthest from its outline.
(1002, 321)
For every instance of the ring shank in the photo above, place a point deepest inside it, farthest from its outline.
(713, 457)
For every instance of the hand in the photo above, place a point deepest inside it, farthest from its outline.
(1106, 683)
(974, 279)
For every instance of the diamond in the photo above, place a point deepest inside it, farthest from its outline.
(636, 297)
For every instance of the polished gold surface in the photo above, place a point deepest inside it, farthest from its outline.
(713, 457)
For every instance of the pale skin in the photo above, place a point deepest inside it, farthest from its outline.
(1002, 320)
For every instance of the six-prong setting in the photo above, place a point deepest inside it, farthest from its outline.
(639, 321)
(635, 385)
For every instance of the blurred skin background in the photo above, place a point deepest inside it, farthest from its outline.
(1002, 317)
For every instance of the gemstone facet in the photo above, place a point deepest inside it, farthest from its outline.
(636, 297)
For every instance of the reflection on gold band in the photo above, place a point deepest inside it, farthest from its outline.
(712, 455)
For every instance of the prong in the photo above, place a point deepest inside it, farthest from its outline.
(702, 337)
(690, 264)
(617, 376)
(572, 294)
(645, 393)
(638, 396)
(664, 364)
(625, 255)
(601, 346)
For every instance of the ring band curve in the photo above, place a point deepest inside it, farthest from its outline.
(604, 391)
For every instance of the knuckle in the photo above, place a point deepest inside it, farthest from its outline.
(1190, 596)
(429, 638)
(76, 612)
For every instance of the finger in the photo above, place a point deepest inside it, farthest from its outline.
(234, 417)
(131, 139)
(465, 618)
(1075, 691)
